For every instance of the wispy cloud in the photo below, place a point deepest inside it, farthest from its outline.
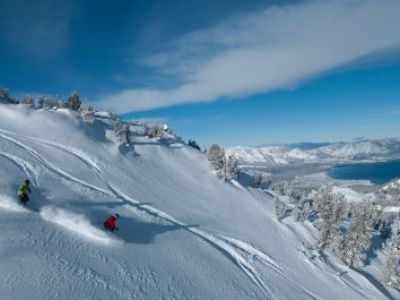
(263, 51)
(38, 29)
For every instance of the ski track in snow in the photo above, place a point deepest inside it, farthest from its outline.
(336, 274)
(24, 166)
(266, 261)
(51, 167)
(231, 248)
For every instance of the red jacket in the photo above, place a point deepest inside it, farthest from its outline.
(110, 222)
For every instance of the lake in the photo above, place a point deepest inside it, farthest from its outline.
(378, 173)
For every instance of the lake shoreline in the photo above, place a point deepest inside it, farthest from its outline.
(376, 172)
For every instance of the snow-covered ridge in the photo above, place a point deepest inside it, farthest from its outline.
(335, 152)
(394, 185)
(273, 155)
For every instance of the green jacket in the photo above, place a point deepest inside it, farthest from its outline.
(23, 189)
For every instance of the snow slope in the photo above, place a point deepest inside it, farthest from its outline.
(184, 233)
(351, 196)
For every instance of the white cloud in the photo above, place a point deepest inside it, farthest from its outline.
(264, 51)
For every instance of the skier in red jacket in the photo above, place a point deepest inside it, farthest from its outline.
(109, 223)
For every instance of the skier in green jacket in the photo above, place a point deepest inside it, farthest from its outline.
(23, 191)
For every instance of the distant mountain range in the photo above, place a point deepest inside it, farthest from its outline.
(355, 151)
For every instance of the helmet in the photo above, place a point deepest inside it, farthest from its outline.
(116, 215)
(27, 181)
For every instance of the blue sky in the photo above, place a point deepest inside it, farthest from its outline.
(344, 105)
(232, 72)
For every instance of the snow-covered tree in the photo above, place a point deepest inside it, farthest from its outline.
(357, 239)
(122, 133)
(126, 134)
(49, 102)
(73, 102)
(216, 157)
(118, 130)
(5, 96)
(40, 102)
(303, 210)
(169, 130)
(154, 130)
(376, 216)
(28, 100)
(307, 209)
(257, 181)
(87, 114)
(193, 144)
(391, 271)
(282, 187)
(231, 167)
(280, 208)
(321, 198)
(296, 214)
(331, 214)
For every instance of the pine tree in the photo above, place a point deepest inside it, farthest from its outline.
(216, 157)
(357, 239)
(5, 96)
(231, 168)
(73, 102)
(118, 131)
(41, 102)
(280, 208)
(87, 114)
(296, 214)
(321, 198)
(28, 100)
(51, 102)
(153, 131)
(307, 210)
(193, 144)
(257, 181)
(391, 271)
(126, 134)
(302, 211)
(122, 133)
(331, 214)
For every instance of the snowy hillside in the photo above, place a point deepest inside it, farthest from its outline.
(184, 234)
(332, 153)
(271, 155)
(394, 185)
